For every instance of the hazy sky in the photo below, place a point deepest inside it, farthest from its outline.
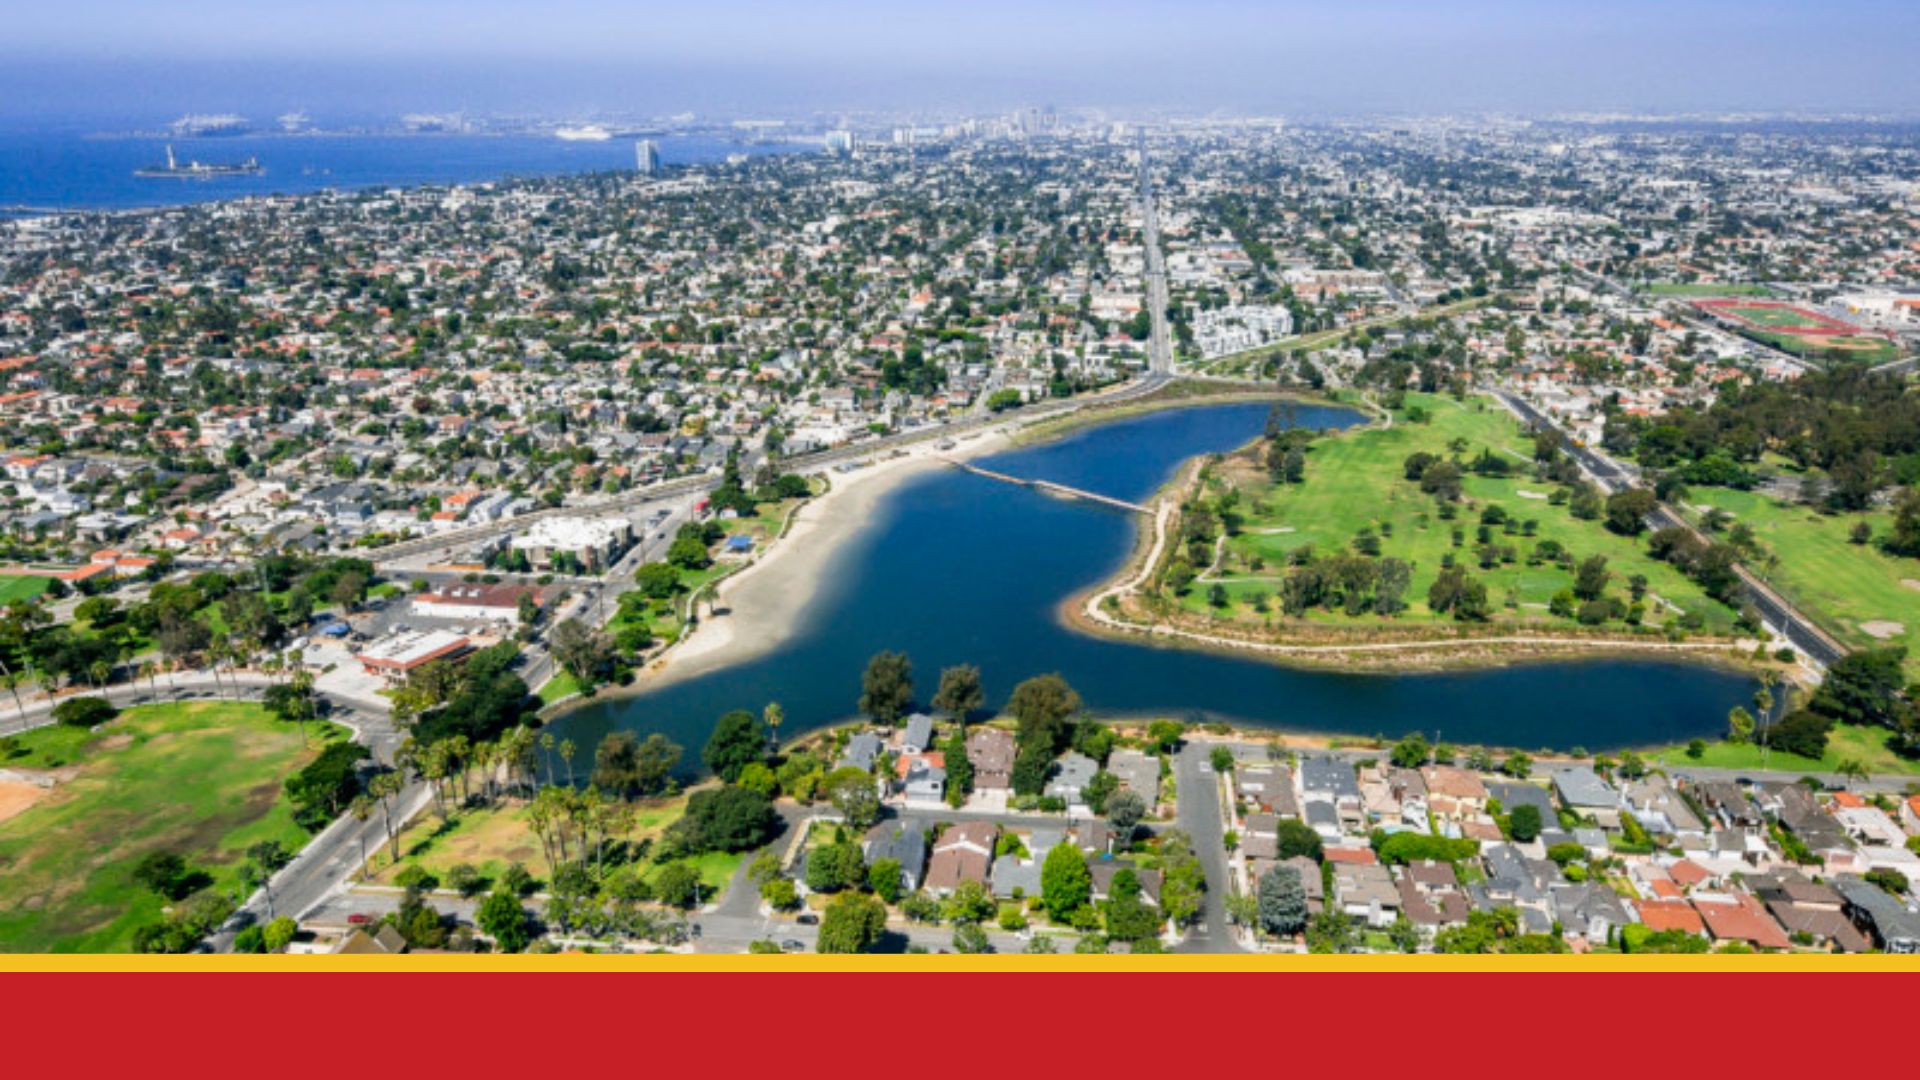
(156, 58)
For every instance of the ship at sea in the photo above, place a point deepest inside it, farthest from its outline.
(199, 170)
(584, 133)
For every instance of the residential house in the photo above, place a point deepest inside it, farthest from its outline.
(963, 853)
(904, 844)
(1582, 791)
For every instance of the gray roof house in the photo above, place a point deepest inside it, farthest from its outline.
(1590, 909)
(919, 733)
(1894, 926)
(862, 751)
(1582, 791)
(1070, 774)
(1137, 773)
(904, 844)
(1515, 793)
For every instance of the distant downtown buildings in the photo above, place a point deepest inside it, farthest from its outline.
(646, 157)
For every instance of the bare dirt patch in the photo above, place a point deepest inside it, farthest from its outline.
(1910, 583)
(18, 796)
(115, 742)
(1882, 629)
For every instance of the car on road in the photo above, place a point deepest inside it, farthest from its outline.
(793, 945)
(808, 920)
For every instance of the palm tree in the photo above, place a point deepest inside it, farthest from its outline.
(774, 716)
(361, 808)
(546, 751)
(386, 787)
(13, 685)
(566, 755)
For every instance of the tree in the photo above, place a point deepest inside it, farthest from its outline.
(1523, 823)
(1042, 706)
(505, 921)
(1740, 726)
(279, 933)
(583, 652)
(1294, 838)
(1519, 766)
(738, 740)
(960, 692)
(853, 923)
(84, 712)
(677, 885)
(1030, 767)
(166, 873)
(886, 687)
(626, 767)
(1125, 809)
(1864, 687)
(1590, 580)
(969, 938)
(854, 795)
(1627, 510)
(729, 818)
(959, 768)
(658, 580)
(886, 878)
(1803, 732)
(1065, 882)
(1412, 751)
(1283, 902)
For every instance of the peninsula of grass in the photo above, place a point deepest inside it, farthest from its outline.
(200, 779)
(1355, 483)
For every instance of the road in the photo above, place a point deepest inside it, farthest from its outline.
(1159, 341)
(453, 541)
(1803, 632)
(1198, 812)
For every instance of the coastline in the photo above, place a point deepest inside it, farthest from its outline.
(765, 602)
(1435, 649)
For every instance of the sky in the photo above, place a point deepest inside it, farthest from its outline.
(146, 60)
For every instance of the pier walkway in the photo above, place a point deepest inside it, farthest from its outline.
(1050, 487)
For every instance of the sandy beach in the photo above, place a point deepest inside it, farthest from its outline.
(762, 604)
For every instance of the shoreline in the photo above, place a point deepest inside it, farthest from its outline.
(1084, 612)
(765, 602)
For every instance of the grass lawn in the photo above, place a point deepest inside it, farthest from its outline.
(1848, 742)
(562, 684)
(1358, 480)
(198, 778)
(21, 587)
(491, 839)
(1861, 348)
(1846, 586)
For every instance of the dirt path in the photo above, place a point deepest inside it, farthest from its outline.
(1163, 515)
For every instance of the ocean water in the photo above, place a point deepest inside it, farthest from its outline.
(71, 170)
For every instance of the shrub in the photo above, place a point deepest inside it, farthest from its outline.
(84, 712)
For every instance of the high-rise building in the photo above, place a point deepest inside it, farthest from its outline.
(646, 157)
(840, 141)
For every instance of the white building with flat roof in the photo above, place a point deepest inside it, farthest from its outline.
(595, 542)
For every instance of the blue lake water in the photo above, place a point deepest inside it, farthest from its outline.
(70, 170)
(957, 568)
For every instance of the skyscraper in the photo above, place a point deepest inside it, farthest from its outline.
(646, 157)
